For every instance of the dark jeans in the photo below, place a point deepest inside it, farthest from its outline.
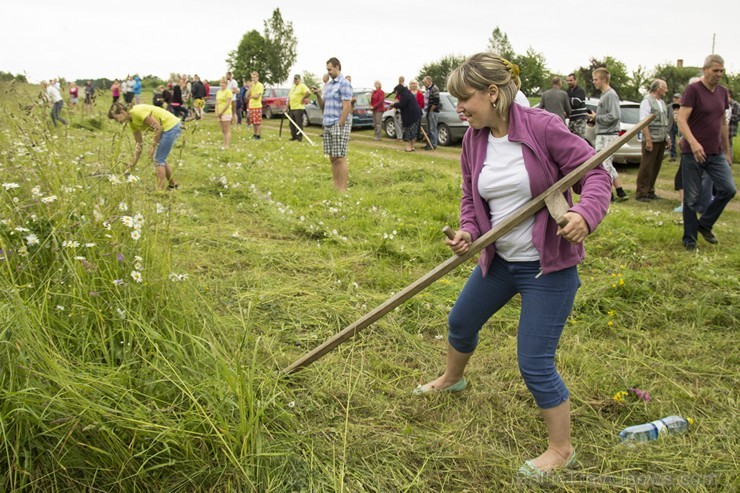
(546, 301)
(239, 110)
(718, 169)
(674, 137)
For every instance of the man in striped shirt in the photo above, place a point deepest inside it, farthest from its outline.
(578, 111)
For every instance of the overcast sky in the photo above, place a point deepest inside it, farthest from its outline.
(373, 39)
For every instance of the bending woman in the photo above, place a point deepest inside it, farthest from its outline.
(509, 155)
(166, 127)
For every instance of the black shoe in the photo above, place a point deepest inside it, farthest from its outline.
(652, 196)
(428, 148)
(642, 199)
(689, 246)
(255, 137)
(622, 198)
(708, 235)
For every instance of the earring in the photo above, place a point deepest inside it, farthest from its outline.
(494, 104)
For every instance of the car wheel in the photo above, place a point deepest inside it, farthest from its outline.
(443, 135)
(304, 120)
(268, 113)
(389, 126)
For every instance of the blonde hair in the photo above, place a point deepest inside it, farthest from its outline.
(479, 73)
(603, 74)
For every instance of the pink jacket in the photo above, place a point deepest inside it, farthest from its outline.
(550, 152)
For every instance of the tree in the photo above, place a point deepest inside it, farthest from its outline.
(272, 53)
(639, 85)
(249, 56)
(280, 46)
(311, 79)
(532, 72)
(440, 70)
(499, 44)
(620, 81)
(677, 78)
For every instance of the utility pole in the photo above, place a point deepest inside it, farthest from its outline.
(714, 38)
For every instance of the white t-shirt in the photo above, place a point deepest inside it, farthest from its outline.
(53, 94)
(504, 184)
(232, 86)
(521, 99)
(645, 107)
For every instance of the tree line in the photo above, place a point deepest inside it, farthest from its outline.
(536, 77)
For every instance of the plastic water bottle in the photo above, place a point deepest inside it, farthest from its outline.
(651, 431)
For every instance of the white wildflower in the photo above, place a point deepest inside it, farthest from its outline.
(36, 191)
(89, 245)
(160, 208)
(136, 276)
(122, 206)
(32, 239)
(132, 179)
(118, 282)
(49, 199)
(136, 235)
(9, 186)
(22, 251)
(60, 308)
(127, 221)
(138, 220)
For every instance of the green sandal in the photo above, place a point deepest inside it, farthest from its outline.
(457, 387)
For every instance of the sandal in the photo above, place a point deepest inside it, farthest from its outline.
(529, 470)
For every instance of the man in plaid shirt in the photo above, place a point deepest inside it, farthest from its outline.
(336, 101)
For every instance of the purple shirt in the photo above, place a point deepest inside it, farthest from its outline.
(705, 121)
(550, 152)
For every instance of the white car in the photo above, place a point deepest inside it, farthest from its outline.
(631, 152)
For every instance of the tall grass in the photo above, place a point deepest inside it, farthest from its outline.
(172, 383)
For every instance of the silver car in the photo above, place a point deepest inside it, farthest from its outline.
(451, 125)
(631, 152)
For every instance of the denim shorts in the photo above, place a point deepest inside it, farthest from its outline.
(165, 144)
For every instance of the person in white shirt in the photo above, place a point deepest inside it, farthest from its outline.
(55, 98)
(655, 139)
(233, 86)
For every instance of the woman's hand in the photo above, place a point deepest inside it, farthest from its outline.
(460, 242)
(576, 230)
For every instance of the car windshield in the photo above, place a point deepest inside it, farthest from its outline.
(630, 114)
(281, 93)
(449, 102)
(363, 99)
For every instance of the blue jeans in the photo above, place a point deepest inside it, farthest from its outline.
(674, 140)
(547, 300)
(165, 144)
(432, 118)
(55, 113)
(718, 169)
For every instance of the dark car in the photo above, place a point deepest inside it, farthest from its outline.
(210, 105)
(451, 125)
(274, 101)
(362, 113)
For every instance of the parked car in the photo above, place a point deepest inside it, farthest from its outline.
(451, 125)
(210, 105)
(274, 101)
(631, 152)
(362, 114)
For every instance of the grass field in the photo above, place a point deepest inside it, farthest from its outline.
(142, 333)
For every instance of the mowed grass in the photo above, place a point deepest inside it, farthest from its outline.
(174, 383)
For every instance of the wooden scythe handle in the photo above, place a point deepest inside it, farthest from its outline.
(495, 233)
